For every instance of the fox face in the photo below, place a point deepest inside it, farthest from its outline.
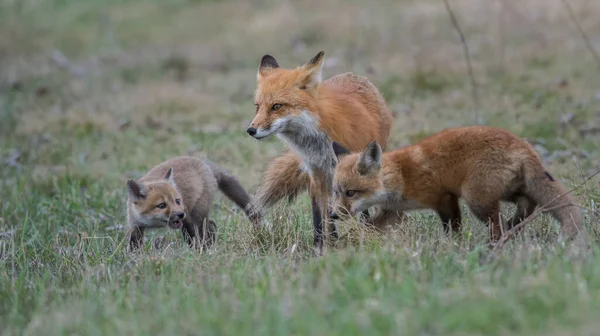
(357, 183)
(284, 97)
(157, 204)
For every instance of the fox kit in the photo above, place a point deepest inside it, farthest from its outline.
(307, 114)
(178, 194)
(482, 165)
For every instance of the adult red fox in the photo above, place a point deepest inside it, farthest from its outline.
(307, 114)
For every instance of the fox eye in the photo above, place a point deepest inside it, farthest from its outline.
(350, 193)
(161, 206)
(178, 201)
(275, 107)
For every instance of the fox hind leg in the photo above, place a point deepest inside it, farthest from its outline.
(488, 213)
(210, 233)
(525, 207)
(483, 199)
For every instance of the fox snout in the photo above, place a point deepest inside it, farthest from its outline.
(176, 220)
(259, 132)
(333, 215)
(261, 127)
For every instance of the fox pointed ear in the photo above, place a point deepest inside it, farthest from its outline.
(267, 62)
(369, 161)
(136, 190)
(169, 176)
(314, 71)
(339, 150)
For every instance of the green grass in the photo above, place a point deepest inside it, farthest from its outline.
(144, 81)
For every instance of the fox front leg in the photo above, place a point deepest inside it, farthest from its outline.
(136, 238)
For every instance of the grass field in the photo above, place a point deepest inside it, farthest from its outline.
(95, 92)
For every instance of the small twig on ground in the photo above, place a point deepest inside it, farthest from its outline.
(584, 36)
(467, 57)
(510, 233)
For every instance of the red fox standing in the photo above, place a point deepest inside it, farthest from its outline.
(482, 165)
(308, 114)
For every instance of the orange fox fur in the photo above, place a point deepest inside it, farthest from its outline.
(482, 165)
(308, 113)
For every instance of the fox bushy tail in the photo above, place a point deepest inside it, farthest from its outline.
(284, 178)
(546, 191)
(231, 187)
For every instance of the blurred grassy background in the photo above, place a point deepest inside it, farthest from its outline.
(94, 92)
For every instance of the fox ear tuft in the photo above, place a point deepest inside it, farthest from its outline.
(135, 190)
(369, 161)
(169, 173)
(267, 62)
(315, 61)
(314, 70)
(169, 176)
(339, 150)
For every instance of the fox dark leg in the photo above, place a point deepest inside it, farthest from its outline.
(488, 213)
(136, 238)
(449, 213)
(317, 223)
(189, 232)
(209, 235)
(332, 227)
(525, 207)
(199, 230)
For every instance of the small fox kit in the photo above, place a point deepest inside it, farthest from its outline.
(178, 194)
(308, 113)
(482, 165)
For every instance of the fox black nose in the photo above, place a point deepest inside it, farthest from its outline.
(180, 215)
(251, 131)
(334, 216)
